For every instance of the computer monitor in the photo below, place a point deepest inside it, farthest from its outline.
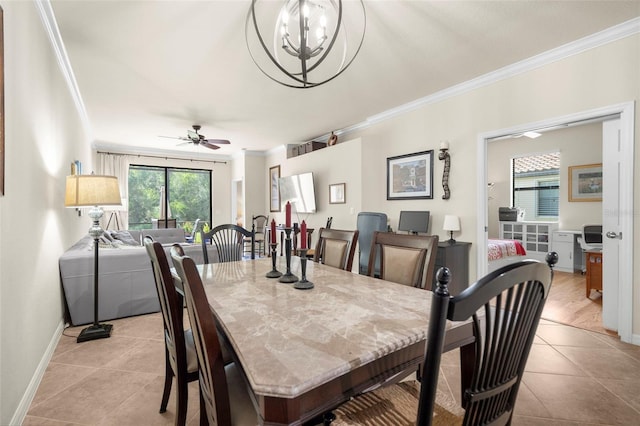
(414, 221)
(592, 235)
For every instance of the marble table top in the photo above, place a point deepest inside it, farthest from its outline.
(290, 341)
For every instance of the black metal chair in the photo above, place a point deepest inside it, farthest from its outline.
(259, 229)
(228, 240)
(505, 308)
(180, 355)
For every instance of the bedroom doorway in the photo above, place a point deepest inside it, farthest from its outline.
(623, 310)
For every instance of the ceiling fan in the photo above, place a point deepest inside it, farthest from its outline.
(197, 139)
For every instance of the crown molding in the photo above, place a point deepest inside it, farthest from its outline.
(51, 27)
(592, 41)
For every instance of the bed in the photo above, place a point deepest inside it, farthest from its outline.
(503, 252)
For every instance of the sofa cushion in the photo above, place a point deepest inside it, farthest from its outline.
(125, 237)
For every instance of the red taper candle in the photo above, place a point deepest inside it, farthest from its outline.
(287, 215)
(303, 235)
(273, 231)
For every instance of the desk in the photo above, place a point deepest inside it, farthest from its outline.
(594, 271)
(303, 352)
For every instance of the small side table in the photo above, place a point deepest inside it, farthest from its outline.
(594, 271)
(455, 257)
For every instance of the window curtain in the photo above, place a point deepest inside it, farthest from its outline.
(116, 165)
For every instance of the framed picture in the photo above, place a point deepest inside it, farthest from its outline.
(585, 182)
(337, 193)
(410, 176)
(274, 188)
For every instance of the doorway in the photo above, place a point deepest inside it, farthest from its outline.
(626, 111)
(237, 202)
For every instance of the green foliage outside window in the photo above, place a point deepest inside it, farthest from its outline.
(188, 194)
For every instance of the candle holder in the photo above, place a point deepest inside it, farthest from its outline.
(303, 284)
(273, 273)
(288, 277)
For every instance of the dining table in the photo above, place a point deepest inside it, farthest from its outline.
(304, 352)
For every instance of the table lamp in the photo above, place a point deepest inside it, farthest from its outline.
(93, 191)
(451, 223)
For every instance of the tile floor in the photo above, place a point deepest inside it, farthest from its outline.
(573, 377)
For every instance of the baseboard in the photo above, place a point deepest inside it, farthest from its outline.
(30, 392)
(635, 339)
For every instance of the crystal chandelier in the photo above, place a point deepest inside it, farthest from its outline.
(304, 43)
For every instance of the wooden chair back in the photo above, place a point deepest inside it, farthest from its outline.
(171, 306)
(505, 308)
(336, 248)
(404, 258)
(214, 392)
(228, 240)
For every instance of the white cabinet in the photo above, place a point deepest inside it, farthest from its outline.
(565, 243)
(535, 236)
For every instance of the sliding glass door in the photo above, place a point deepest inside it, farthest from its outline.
(159, 194)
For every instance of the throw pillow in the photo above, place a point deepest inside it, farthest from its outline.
(125, 237)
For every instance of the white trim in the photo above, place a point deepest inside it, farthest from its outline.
(592, 41)
(51, 26)
(30, 392)
(627, 122)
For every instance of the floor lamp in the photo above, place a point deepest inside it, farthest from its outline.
(93, 191)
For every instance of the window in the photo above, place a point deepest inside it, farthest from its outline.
(168, 193)
(536, 186)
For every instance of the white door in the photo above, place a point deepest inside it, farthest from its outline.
(611, 234)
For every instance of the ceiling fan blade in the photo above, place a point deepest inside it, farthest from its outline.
(218, 141)
(206, 144)
(182, 138)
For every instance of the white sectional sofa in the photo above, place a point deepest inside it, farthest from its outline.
(126, 285)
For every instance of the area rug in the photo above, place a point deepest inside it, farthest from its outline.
(396, 405)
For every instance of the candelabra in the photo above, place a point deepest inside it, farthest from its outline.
(303, 284)
(288, 277)
(273, 273)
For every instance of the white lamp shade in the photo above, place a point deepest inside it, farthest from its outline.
(92, 190)
(451, 223)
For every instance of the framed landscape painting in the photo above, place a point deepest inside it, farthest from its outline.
(410, 176)
(585, 182)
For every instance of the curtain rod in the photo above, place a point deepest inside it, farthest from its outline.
(161, 156)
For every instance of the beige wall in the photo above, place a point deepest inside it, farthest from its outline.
(340, 163)
(577, 146)
(43, 136)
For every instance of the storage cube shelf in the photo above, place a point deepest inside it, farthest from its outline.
(534, 236)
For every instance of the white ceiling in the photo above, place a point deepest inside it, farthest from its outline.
(150, 68)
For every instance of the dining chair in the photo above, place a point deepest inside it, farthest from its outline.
(224, 399)
(505, 308)
(228, 239)
(404, 258)
(180, 354)
(311, 253)
(336, 248)
(259, 228)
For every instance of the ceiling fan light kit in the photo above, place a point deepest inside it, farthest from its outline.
(304, 43)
